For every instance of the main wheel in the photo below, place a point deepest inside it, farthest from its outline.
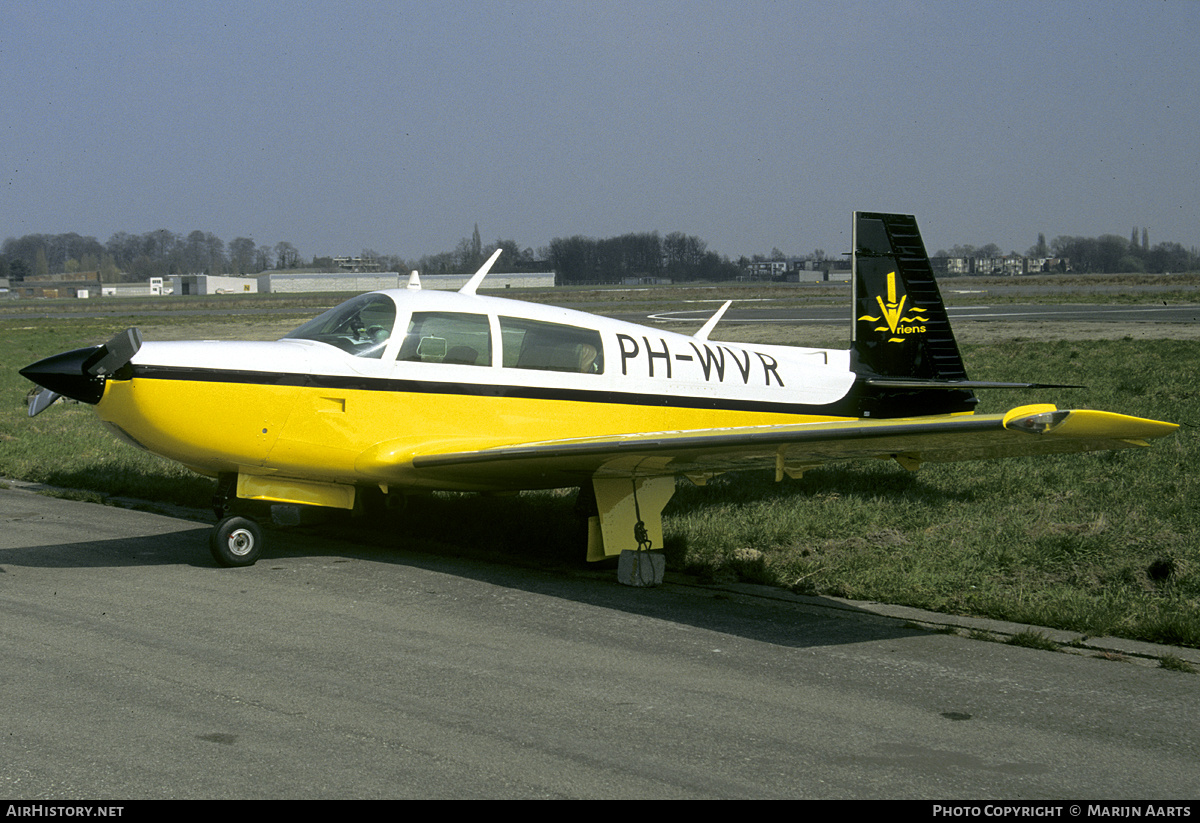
(236, 541)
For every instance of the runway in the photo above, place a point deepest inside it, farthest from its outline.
(135, 668)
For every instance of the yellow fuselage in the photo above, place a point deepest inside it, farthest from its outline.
(308, 411)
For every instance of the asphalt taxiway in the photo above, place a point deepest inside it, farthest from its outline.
(136, 668)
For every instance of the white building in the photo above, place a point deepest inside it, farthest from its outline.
(358, 282)
(189, 284)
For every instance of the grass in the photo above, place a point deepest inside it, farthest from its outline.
(66, 445)
(1176, 664)
(1033, 640)
(1102, 544)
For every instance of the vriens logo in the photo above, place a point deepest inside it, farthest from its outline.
(893, 311)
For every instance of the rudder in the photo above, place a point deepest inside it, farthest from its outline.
(900, 324)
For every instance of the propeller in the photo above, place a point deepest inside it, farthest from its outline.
(80, 374)
(114, 354)
(40, 400)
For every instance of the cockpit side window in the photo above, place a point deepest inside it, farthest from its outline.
(532, 344)
(447, 337)
(361, 326)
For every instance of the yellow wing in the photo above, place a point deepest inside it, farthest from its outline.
(1028, 430)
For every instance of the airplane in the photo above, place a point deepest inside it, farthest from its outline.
(411, 390)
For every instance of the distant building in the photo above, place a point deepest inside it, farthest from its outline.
(151, 288)
(204, 284)
(293, 282)
(1008, 266)
(826, 270)
(798, 270)
(806, 276)
(494, 280)
(766, 270)
(950, 265)
(356, 264)
(72, 284)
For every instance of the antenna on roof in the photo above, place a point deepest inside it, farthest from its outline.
(712, 322)
(414, 281)
(478, 276)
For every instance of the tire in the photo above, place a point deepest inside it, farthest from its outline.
(236, 541)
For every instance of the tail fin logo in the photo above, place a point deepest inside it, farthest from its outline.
(893, 314)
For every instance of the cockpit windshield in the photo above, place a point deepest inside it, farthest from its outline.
(360, 326)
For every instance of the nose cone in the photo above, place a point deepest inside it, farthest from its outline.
(66, 374)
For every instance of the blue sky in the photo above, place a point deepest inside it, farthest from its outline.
(398, 126)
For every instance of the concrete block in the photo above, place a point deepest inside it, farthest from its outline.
(638, 568)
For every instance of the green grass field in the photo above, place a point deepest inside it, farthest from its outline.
(1099, 543)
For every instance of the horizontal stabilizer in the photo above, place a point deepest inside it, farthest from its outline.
(913, 383)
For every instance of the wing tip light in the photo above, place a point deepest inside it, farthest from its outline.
(1048, 419)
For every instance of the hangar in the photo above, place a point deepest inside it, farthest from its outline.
(358, 282)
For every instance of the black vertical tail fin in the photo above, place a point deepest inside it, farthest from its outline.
(902, 337)
(900, 323)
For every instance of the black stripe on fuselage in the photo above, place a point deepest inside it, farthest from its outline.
(847, 406)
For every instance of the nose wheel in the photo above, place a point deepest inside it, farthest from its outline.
(236, 541)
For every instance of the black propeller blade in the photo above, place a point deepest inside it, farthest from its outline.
(80, 374)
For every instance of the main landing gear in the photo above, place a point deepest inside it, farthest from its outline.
(235, 540)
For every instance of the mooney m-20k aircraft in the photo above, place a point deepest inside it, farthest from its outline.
(411, 389)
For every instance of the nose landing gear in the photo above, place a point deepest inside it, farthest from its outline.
(236, 541)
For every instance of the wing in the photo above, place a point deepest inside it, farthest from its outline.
(791, 449)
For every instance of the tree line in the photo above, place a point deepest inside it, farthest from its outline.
(1106, 254)
(130, 257)
(577, 259)
(677, 256)
(1111, 253)
(582, 260)
(137, 257)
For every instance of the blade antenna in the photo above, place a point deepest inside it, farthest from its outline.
(712, 322)
(478, 276)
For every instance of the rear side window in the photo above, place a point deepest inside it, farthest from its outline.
(532, 344)
(447, 337)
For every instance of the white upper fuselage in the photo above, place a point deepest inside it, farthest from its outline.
(634, 359)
